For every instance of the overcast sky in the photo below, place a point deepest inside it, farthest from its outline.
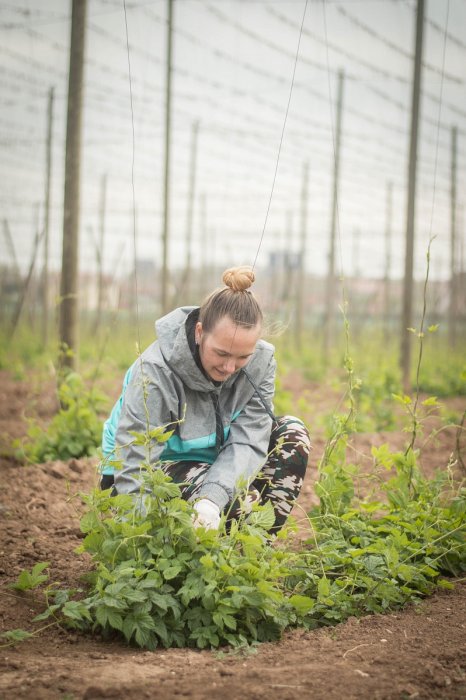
(232, 72)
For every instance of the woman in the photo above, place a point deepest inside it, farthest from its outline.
(209, 377)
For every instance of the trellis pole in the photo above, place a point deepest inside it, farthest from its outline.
(48, 177)
(69, 308)
(407, 310)
(330, 288)
(166, 180)
(453, 266)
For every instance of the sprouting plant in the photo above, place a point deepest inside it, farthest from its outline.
(412, 404)
(28, 580)
(75, 431)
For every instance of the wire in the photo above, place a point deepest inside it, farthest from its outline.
(281, 139)
(366, 28)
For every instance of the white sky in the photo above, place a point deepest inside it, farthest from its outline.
(233, 64)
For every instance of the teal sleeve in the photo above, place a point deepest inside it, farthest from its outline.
(110, 427)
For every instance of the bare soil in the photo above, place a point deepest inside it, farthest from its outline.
(419, 652)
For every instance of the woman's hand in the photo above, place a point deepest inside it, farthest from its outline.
(207, 514)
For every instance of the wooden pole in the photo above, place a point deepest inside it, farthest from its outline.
(388, 259)
(100, 257)
(204, 268)
(330, 288)
(302, 259)
(461, 289)
(453, 282)
(34, 285)
(356, 252)
(69, 287)
(48, 176)
(358, 321)
(288, 273)
(166, 182)
(11, 249)
(407, 311)
(186, 286)
(27, 282)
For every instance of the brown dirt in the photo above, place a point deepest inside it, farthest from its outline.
(419, 652)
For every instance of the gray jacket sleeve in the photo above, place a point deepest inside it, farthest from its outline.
(145, 407)
(245, 452)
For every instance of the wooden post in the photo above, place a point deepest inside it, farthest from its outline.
(288, 273)
(26, 285)
(186, 285)
(100, 254)
(356, 252)
(302, 260)
(204, 268)
(11, 249)
(330, 288)
(388, 259)
(69, 308)
(48, 175)
(407, 311)
(166, 182)
(34, 285)
(452, 310)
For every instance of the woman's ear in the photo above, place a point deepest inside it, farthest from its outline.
(198, 333)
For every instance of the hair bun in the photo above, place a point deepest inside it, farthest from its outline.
(239, 278)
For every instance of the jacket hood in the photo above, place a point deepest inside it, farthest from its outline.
(174, 346)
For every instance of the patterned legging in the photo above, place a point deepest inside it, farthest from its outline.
(279, 481)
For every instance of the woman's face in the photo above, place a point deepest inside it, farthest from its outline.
(226, 348)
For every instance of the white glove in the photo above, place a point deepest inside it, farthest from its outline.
(207, 514)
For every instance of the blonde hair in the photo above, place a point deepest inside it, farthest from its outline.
(234, 300)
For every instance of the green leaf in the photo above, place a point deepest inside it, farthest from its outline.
(28, 580)
(323, 588)
(47, 613)
(172, 571)
(160, 434)
(89, 521)
(109, 616)
(429, 571)
(17, 635)
(262, 516)
(207, 561)
(75, 610)
(383, 456)
(160, 628)
(402, 398)
(431, 401)
(303, 604)
(139, 438)
(443, 583)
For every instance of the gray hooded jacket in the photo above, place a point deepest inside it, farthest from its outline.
(165, 385)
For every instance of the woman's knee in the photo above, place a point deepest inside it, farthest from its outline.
(290, 429)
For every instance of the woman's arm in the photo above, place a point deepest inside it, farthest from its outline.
(245, 451)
